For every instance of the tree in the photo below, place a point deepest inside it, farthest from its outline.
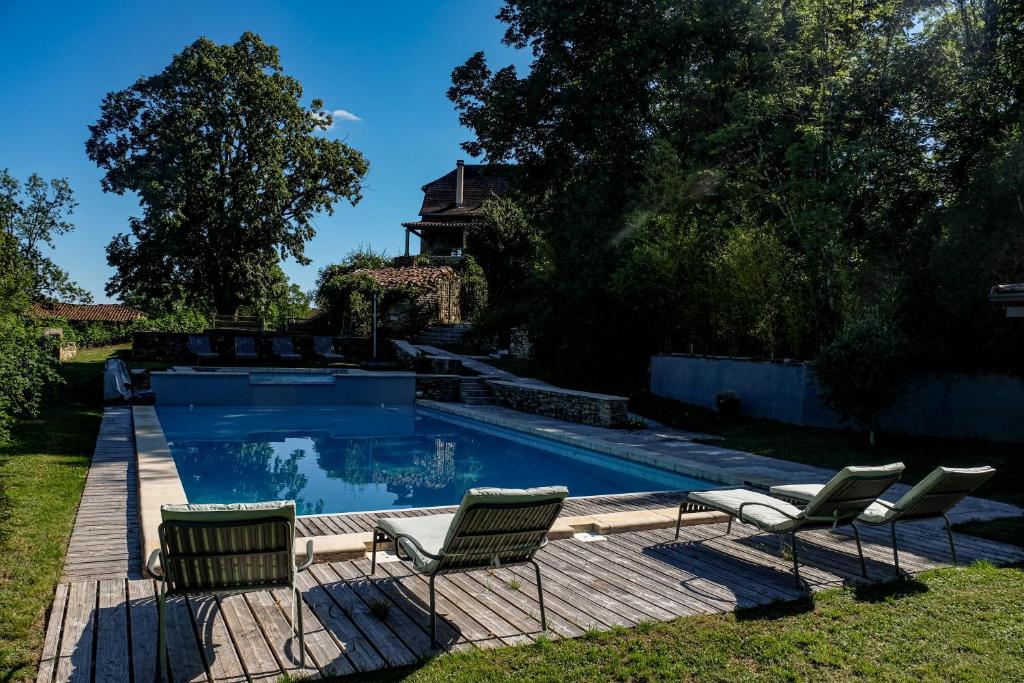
(35, 216)
(861, 371)
(229, 169)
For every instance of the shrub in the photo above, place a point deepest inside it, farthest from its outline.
(728, 403)
(474, 290)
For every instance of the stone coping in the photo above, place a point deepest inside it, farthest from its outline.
(159, 483)
(549, 389)
(214, 370)
(634, 453)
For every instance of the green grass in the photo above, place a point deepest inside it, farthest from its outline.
(836, 449)
(949, 625)
(42, 474)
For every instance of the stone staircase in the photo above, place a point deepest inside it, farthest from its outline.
(472, 391)
(443, 335)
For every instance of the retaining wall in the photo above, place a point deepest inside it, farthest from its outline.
(602, 410)
(945, 405)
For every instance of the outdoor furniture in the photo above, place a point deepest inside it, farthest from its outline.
(245, 348)
(324, 347)
(931, 498)
(199, 346)
(284, 350)
(840, 501)
(227, 548)
(492, 528)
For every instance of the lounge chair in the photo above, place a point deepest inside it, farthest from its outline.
(245, 348)
(227, 548)
(324, 347)
(491, 528)
(284, 350)
(199, 346)
(931, 498)
(840, 501)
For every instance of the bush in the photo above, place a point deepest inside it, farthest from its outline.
(728, 403)
(88, 335)
(860, 372)
(473, 291)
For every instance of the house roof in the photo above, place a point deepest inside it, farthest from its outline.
(480, 182)
(417, 276)
(111, 313)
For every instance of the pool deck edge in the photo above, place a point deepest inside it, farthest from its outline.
(159, 483)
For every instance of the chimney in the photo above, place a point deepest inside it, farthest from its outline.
(460, 182)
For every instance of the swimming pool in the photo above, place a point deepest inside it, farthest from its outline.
(360, 458)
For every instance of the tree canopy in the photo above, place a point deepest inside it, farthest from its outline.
(230, 171)
(746, 176)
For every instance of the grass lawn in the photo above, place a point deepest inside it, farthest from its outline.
(951, 624)
(42, 474)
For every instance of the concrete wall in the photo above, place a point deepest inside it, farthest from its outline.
(243, 389)
(950, 405)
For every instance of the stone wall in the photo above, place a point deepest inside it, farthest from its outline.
(519, 345)
(438, 387)
(411, 358)
(601, 410)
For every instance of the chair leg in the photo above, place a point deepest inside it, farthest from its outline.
(161, 638)
(860, 550)
(433, 613)
(373, 554)
(952, 546)
(895, 551)
(679, 520)
(297, 607)
(728, 527)
(540, 597)
(796, 562)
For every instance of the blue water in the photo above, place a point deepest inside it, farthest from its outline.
(355, 458)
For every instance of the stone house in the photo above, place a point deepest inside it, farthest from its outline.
(453, 205)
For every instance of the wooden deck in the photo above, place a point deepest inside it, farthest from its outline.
(105, 629)
(105, 542)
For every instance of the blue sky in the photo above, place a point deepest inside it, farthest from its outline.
(387, 63)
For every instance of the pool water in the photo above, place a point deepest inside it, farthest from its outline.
(358, 458)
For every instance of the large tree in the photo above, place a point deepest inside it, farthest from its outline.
(230, 169)
(34, 215)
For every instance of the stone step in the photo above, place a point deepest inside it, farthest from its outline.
(476, 401)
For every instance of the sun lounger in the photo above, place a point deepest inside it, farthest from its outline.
(491, 528)
(931, 498)
(245, 348)
(840, 501)
(325, 349)
(199, 346)
(284, 351)
(227, 549)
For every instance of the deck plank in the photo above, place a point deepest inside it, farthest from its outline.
(112, 657)
(142, 612)
(51, 642)
(75, 661)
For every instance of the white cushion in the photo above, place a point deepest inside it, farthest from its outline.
(769, 515)
(428, 531)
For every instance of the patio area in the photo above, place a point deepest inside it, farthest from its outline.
(104, 627)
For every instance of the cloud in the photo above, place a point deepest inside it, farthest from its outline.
(337, 115)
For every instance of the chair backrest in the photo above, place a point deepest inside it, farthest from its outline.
(228, 547)
(942, 489)
(283, 345)
(245, 345)
(198, 343)
(851, 491)
(500, 526)
(323, 345)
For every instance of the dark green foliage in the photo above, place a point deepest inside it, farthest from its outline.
(860, 371)
(473, 293)
(229, 169)
(742, 177)
(90, 335)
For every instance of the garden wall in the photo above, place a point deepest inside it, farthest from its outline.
(947, 405)
(601, 410)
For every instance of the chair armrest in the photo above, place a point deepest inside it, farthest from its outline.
(151, 564)
(309, 557)
(739, 512)
(418, 546)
